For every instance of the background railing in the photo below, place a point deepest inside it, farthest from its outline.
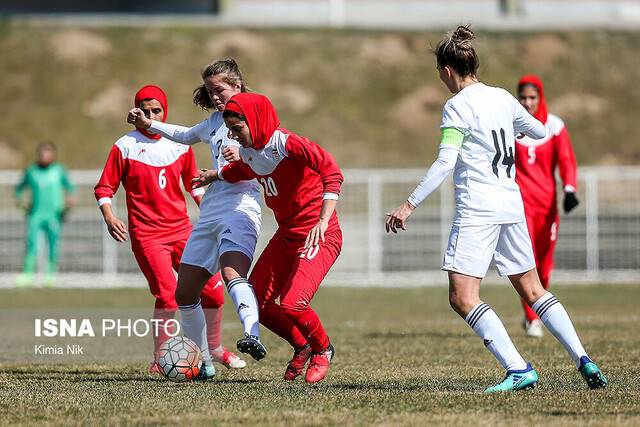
(598, 242)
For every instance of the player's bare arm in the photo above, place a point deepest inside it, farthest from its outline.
(316, 234)
(116, 227)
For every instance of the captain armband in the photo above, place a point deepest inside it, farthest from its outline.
(452, 137)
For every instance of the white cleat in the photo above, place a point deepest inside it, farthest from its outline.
(534, 328)
(228, 359)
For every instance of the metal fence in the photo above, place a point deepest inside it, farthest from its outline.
(598, 242)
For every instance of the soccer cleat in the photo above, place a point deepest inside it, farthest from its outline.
(228, 359)
(252, 346)
(533, 328)
(207, 372)
(319, 365)
(592, 374)
(154, 369)
(516, 380)
(297, 363)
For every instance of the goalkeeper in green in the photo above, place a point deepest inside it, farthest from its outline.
(51, 197)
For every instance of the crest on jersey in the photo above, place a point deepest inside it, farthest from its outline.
(274, 153)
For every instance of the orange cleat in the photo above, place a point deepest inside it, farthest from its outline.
(297, 363)
(319, 365)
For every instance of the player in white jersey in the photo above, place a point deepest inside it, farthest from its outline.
(479, 125)
(230, 214)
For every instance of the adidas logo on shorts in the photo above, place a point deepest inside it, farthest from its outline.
(227, 231)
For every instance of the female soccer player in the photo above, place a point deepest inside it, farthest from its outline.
(150, 168)
(301, 184)
(536, 163)
(479, 125)
(230, 216)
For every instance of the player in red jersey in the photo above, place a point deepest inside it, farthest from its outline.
(150, 168)
(301, 183)
(536, 163)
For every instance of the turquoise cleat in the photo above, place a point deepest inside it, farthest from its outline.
(516, 380)
(207, 372)
(592, 374)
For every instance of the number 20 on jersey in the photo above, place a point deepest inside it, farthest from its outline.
(269, 186)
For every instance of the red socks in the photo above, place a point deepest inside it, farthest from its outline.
(273, 317)
(308, 323)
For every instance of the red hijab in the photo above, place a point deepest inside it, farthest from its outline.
(151, 92)
(260, 115)
(532, 79)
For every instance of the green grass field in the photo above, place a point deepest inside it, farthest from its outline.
(402, 358)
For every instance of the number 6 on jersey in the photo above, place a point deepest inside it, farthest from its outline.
(162, 179)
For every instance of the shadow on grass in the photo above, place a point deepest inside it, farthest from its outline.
(50, 372)
(159, 379)
(243, 381)
(406, 335)
(409, 385)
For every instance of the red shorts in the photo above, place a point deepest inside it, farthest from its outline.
(159, 260)
(543, 230)
(287, 271)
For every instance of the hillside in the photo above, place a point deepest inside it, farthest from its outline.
(373, 98)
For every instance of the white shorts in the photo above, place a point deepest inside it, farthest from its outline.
(472, 247)
(209, 240)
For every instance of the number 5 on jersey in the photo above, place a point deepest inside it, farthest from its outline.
(269, 186)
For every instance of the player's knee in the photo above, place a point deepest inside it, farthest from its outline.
(185, 296)
(454, 302)
(166, 302)
(229, 273)
(291, 312)
(294, 309)
(234, 264)
(532, 292)
(212, 299)
(460, 303)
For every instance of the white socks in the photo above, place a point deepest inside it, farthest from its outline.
(244, 299)
(556, 319)
(194, 327)
(484, 322)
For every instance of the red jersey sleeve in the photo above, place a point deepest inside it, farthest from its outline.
(566, 159)
(236, 171)
(112, 174)
(190, 171)
(318, 160)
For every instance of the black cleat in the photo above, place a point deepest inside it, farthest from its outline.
(252, 346)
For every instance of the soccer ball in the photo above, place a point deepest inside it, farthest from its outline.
(180, 359)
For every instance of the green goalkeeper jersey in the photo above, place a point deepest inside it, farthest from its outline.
(48, 186)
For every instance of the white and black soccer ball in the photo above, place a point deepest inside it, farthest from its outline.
(180, 359)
